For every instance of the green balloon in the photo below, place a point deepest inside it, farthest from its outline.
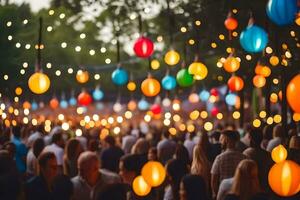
(184, 78)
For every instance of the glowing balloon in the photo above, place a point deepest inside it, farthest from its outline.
(72, 101)
(18, 91)
(198, 70)
(235, 83)
(259, 81)
(166, 102)
(214, 111)
(204, 95)
(82, 76)
(293, 93)
(119, 76)
(26, 105)
(63, 104)
(143, 105)
(143, 47)
(262, 70)
(154, 173)
(254, 39)
(231, 64)
(34, 105)
(140, 186)
(168, 82)
(279, 154)
(194, 98)
(274, 60)
(39, 83)
(184, 78)
(155, 109)
(214, 92)
(150, 87)
(54, 103)
(131, 105)
(172, 57)
(231, 23)
(231, 99)
(98, 94)
(84, 98)
(131, 86)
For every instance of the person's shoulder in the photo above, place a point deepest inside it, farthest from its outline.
(75, 180)
(109, 176)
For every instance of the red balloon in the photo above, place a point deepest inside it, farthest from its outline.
(155, 109)
(214, 92)
(143, 47)
(231, 23)
(214, 111)
(54, 103)
(235, 83)
(84, 98)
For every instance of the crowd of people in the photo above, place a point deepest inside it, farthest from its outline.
(224, 164)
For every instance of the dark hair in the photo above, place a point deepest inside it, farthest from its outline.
(70, 149)
(110, 140)
(176, 169)
(181, 153)
(166, 133)
(62, 187)
(38, 146)
(256, 137)
(194, 187)
(231, 135)
(93, 145)
(267, 132)
(44, 157)
(40, 128)
(132, 162)
(215, 135)
(16, 130)
(116, 191)
(56, 137)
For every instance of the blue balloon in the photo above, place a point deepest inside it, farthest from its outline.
(72, 101)
(34, 105)
(168, 82)
(254, 39)
(230, 99)
(119, 76)
(204, 95)
(282, 12)
(98, 94)
(143, 104)
(63, 104)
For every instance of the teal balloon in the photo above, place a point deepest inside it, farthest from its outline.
(34, 105)
(230, 99)
(204, 95)
(143, 105)
(63, 104)
(184, 78)
(98, 94)
(254, 39)
(282, 12)
(119, 76)
(72, 101)
(168, 82)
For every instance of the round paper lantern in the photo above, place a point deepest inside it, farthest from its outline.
(284, 178)
(84, 98)
(193, 98)
(274, 60)
(204, 95)
(254, 39)
(154, 173)
(293, 93)
(18, 91)
(140, 186)
(199, 70)
(259, 81)
(166, 102)
(143, 47)
(39, 83)
(131, 86)
(117, 107)
(214, 92)
(297, 20)
(26, 105)
(262, 70)
(172, 57)
(282, 12)
(150, 87)
(72, 101)
(143, 105)
(82, 76)
(168, 82)
(231, 64)
(54, 103)
(184, 78)
(231, 99)
(131, 105)
(274, 98)
(63, 104)
(98, 94)
(214, 111)
(119, 76)
(155, 64)
(231, 23)
(279, 154)
(34, 105)
(155, 109)
(235, 83)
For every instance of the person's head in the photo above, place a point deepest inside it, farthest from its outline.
(192, 187)
(129, 167)
(166, 134)
(110, 141)
(73, 149)
(245, 180)
(116, 191)
(62, 188)
(93, 145)
(295, 142)
(267, 132)
(278, 131)
(152, 154)
(215, 136)
(58, 139)
(47, 166)
(228, 139)
(141, 147)
(40, 128)
(88, 167)
(200, 161)
(181, 153)
(16, 131)
(255, 136)
(38, 146)
(10, 148)
(203, 141)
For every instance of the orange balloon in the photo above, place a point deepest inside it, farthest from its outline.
(262, 70)
(150, 87)
(274, 98)
(284, 178)
(154, 173)
(82, 76)
(279, 154)
(131, 105)
(235, 83)
(140, 186)
(54, 103)
(280, 95)
(231, 23)
(26, 105)
(293, 93)
(259, 81)
(231, 64)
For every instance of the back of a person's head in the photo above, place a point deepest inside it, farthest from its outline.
(40, 128)
(278, 131)
(176, 169)
(132, 162)
(215, 135)
(93, 145)
(116, 191)
(231, 135)
(71, 148)
(181, 153)
(16, 130)
(295, 142)
(44, 157)
(56, 137)
(195, 188)
(62, 188)
(141, 146)
(166, 133)
(85, 158)
(38, 146)
(110, 140)
(256, 137)
(268, 132)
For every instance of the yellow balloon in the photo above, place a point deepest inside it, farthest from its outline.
(131, 86)
(172, 57)
(199, 70)
(82, 76)
(274, 60)
(39, 83)
(154, 173)
(140, 186)
(18, 91)
(155, 64)
(279, 154)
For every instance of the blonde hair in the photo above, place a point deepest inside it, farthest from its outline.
(245, 180)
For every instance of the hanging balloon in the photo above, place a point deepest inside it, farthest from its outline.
(54, 103)
(282, 12)
(140, 186)
(273, 98)
(39, 83)
(166, 102)
(263, 70)
(154, 173)
(63, 103)
(193, 98)
(98, 94)
(18, 91)
(72, 101)
(117, 107)
(131, 86)
(131, 105)
(254, 39)
(259, 81)
(155, 64)
(168, 82)
(82, 76)
(231, 99)
(214, 92)
(119, 76)
(150, 87)
(274, 60)
(143, 47)
(184, 78)
(26, 105)
(172, 57)
(155, 109)
(204, 95)
(214, 111)
(34, 105)
(199, 70)
(235, 83)
(143, 105)
(84, 98)
(231, 23)
(41, 104)
(293, 93)
(231, 64)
